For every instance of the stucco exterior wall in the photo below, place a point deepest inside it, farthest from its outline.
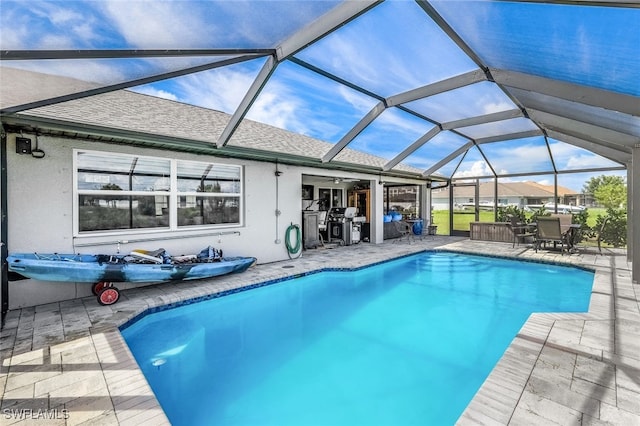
(40, 215)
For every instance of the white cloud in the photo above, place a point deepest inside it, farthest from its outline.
(62, 16)
(587, 161)
(148, 90)
(221, 89)
(272, 109)
(41, 25)
(350, 59)
(361, 103)
(478, 168)
(567, 156)
(518, 157)
(495, 106)
(202, 24)
(155, 24)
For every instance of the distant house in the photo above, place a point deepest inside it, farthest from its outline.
(518, 194)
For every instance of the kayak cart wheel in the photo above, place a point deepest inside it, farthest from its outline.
(108, 296)
(97, 287)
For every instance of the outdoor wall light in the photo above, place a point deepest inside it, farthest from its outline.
(23, 146)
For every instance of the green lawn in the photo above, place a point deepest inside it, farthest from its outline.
(461, 220)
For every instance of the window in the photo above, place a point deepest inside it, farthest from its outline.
(208, 194)
(122, 192)
(329, 198)
(404, 199)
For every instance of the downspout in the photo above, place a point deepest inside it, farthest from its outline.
(4, 226)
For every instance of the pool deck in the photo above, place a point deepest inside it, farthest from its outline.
(66, 363)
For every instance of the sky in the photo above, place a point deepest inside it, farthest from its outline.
(390, 49)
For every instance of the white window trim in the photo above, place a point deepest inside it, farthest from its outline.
(173, 199)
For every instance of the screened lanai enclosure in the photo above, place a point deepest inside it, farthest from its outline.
(447, 92)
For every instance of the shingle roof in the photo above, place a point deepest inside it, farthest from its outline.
(130, 111)
(561, 189)
(22, 86)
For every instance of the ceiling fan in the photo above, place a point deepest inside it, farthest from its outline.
(338, 180)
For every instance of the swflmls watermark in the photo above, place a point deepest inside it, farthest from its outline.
(30, 414)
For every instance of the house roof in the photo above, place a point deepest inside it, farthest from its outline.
(505, 89)
(562, 191)
(132, 115)
(526, 189)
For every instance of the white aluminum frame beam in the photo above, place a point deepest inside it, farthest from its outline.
(411, 148)
(437, 87)
(322, 26)
(317, 29)
(448, 158)
(396, 100)
(454, 36)
(31, 55)
(482, 119)
(569, 91)
(621, 155)
(409, 96)
(249, 98)
(586, 131)
(354, 131)
(612, 120)
(127, 84)
(509, 136)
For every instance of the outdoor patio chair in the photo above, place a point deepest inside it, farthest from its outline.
(570, 230)
(520, 230)
(565, 220)
(405, 230)
(548, 231)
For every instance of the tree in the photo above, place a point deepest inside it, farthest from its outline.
(592, 184)
(611, 195)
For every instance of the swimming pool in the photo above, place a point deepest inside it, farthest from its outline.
(408, 341)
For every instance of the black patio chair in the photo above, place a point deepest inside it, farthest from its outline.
(520, 230)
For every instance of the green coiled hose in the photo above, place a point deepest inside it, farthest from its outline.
(287, 239)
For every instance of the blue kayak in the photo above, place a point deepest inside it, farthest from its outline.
(103, 270)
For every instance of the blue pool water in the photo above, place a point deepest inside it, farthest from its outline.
(405, 342)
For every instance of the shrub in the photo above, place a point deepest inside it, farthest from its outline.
(585, 230)
(505, 212)
(542, 211)
(615, 233)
